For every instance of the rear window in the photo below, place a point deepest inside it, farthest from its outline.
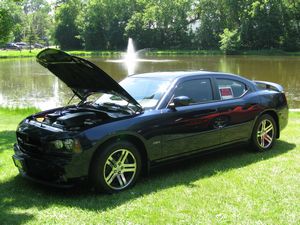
(229, 89)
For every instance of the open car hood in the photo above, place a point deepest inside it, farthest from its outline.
(82, 76)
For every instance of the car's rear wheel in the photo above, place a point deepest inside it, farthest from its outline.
(264, 133)
(116, 168)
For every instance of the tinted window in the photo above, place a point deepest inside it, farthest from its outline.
(230, 88)
(197, 90)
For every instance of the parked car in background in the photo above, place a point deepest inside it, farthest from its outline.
(38, 45)
(12, 46)
(117, 131)
(22, 45)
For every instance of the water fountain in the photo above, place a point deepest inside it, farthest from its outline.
(130, 59)
(130, 54)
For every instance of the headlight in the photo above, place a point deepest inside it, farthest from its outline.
(66, 145)
(58, 144)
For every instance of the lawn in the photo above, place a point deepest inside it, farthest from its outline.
(231, 187)
(153, 52)
(34, 52)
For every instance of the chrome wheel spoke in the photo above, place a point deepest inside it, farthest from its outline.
(123, 156)
(111, 162)
(269, 128)
(111, 176)
(262, 144)
(263, 125)
(268, 138)
(123, 178)
(129, 167)
(121, 181)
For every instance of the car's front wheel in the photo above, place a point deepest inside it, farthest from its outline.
(264, 133)
(116, 168)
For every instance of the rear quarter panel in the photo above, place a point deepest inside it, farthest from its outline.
(276, 102)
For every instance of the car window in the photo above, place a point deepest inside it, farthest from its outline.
(198, 91)
(230, 88)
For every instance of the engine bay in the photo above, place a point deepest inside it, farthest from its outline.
(76, 118)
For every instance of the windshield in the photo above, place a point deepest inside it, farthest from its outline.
(146, 91)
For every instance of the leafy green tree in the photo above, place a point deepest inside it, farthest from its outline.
(160, 24)
(67, 31)
(212, 21)
(103, 23)
(291, 16)
(6, 25)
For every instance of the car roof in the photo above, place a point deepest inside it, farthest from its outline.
(171, 75)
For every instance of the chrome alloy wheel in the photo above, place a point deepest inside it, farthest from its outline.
(265, 133)
(120, 169)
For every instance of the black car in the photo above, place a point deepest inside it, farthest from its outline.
(117, 131)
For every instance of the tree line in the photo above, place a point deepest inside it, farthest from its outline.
(230, 25)
(25, 20)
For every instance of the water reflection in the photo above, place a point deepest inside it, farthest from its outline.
(25, 83)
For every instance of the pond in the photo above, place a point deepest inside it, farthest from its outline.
(24, 83)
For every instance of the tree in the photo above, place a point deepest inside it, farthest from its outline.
(103, 23)
(6, 25)
(160, 24)
(212, 21)
(67, 32)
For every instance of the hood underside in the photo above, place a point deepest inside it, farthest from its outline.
(82, 76)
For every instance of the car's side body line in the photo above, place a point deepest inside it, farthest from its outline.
(201, 152)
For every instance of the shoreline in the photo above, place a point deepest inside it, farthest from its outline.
(6, 54)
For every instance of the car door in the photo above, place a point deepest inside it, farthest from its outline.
(237, 108)
(192, 127)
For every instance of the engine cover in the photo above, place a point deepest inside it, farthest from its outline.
(75, 119)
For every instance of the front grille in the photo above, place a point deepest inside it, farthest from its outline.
(29, 144)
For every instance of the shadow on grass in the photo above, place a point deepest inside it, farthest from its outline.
(19, 195)
(7, 138)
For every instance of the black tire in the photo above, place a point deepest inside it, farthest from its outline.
(264, 133)
(116, 167)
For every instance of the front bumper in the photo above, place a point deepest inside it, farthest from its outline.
(48, 170)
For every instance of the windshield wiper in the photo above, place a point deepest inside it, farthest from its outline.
(114, 106)
(149, 97)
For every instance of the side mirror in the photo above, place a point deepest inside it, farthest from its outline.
(180, 101)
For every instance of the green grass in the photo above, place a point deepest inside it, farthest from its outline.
(33, 53)
(184, 52)
(25, 53)
(94, 53)
(219, 52)
(231, 187)
(18, 54)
